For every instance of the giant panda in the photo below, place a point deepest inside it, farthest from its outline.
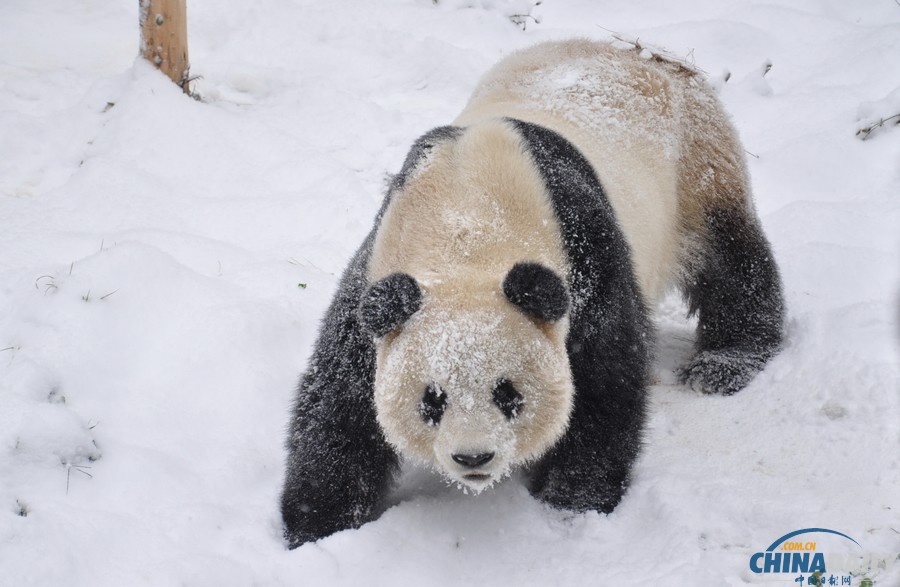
(497, 316)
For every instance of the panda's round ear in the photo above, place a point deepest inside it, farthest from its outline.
(388, 303)
(537, 291)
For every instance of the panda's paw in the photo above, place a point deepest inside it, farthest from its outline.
(306, 524)
(301, 525)
(578, 495)
(294, 537)
(566, 501)
(723, 371)
(309, 514)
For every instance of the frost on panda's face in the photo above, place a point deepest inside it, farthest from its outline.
(473, 387)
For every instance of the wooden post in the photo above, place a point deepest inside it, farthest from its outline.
(164, 38)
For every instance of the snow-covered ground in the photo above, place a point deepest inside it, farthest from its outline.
(164, 263)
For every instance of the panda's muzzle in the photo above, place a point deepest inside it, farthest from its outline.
(473, 461)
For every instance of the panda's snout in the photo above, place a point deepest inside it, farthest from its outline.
(473, 461)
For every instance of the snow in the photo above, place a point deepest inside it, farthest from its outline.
(152, 326)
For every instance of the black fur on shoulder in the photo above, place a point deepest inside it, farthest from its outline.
(608, 341)
(537, 290)
(388, 303)
(421, 149)
(340, 468)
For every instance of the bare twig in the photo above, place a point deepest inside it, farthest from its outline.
(47, 286)
(865, 132)
(109, 294)
(36, 281)
(522, 20)
(661, 56)
(689, 58)
(306, 263)
(79, 468)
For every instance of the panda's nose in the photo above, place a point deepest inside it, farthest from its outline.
(473, 461)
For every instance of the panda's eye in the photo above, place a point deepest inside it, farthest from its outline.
(508, 399)
(431, 408)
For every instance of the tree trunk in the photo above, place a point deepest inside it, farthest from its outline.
(164, 38)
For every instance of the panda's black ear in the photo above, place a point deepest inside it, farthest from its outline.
(388, 303)
(537, 291)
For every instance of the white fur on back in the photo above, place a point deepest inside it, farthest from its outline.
(473, 209)
(623, 113)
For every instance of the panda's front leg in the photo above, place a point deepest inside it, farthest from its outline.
(589, 467)
(339, 468)
(737, 295)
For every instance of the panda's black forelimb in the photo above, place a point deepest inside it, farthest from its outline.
(339, 466)
(337, 478)
(589, 468)
(737, 295)
(608, 342)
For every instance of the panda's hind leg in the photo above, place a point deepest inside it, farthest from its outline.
(735, 290)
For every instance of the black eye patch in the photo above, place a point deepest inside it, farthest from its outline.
(508, 399)
(433, 403)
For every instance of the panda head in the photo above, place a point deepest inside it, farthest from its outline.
(472, 377)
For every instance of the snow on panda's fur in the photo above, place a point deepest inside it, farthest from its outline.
(497, 314)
